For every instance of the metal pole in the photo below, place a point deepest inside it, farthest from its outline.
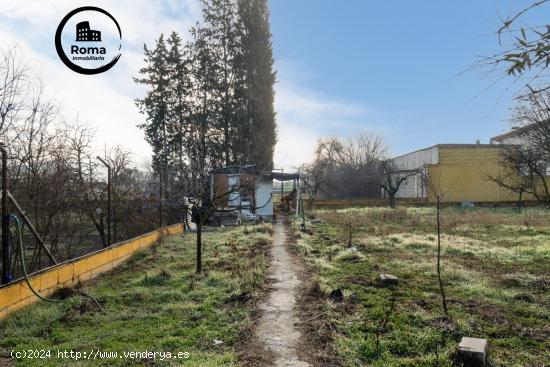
(108, 199)
(5, 218)
(27, 221)
(160, 197)
(282, 185)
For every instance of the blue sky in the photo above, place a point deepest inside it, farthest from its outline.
(344, 67)
(400, 61)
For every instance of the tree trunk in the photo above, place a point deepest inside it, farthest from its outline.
(114, 226)
(392, 200)
(349, 239)
(199, 246)
(443, 299)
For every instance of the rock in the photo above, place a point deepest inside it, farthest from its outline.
(336, 295)
(217, 342)
(388, 279)
(326, 238)
(353, 298)
(472, 352)
(352, 249)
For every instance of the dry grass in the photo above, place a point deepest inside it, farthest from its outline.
(496, 270)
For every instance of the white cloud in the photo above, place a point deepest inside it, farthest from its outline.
(105, 100)
(305, 115)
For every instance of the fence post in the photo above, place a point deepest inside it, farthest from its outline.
(5, 218)
(108, 199)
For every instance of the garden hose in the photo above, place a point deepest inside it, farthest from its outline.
(22, 257)
(23, 266)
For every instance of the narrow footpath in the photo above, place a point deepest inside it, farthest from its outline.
(276, 328)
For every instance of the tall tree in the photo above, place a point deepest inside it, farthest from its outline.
(204, 151)
(257, 79)
(221, 38)
(155, 103)
(179, 102)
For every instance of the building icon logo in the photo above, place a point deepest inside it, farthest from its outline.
(84, 33)
(92, 51)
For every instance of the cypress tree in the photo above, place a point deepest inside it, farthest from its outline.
(221, 38)
(257, 78)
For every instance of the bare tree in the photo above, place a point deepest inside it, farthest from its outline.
(393, 178)
(313, 180)
(55, 179)
(346, 167)
(524, 166)
(433, 183)
(522, 173)
(14, 85)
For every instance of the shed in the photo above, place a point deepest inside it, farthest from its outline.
(245, 189)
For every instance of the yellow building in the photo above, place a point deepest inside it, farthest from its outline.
(458, 172)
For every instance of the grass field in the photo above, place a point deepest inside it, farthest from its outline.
(154, 302)
(496, 270)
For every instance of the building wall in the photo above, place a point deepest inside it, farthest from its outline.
(462, 174)
(417, 159)
(413, 187)
(264, 197)
(510, 140)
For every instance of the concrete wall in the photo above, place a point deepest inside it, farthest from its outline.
(462, 174)
(67, 274)
(359, 202)
(459, 171)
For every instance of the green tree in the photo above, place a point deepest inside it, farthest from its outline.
(257, 79)
(179, 102)
(155, 103)
(221, 38)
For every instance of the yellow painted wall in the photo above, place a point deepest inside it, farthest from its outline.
(462, 175)
(17, 295)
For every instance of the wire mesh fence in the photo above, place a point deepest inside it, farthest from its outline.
(74, 234)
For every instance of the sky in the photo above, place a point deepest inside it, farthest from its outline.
(399, 69)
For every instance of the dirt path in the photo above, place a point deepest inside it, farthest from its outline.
(276, 328)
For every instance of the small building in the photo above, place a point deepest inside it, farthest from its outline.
(245, 189)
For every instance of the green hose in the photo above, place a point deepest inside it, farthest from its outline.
(22, 257)
(23, 266)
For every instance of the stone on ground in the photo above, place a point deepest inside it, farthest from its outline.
(388, 279)
(337, 295)
(472, 352)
